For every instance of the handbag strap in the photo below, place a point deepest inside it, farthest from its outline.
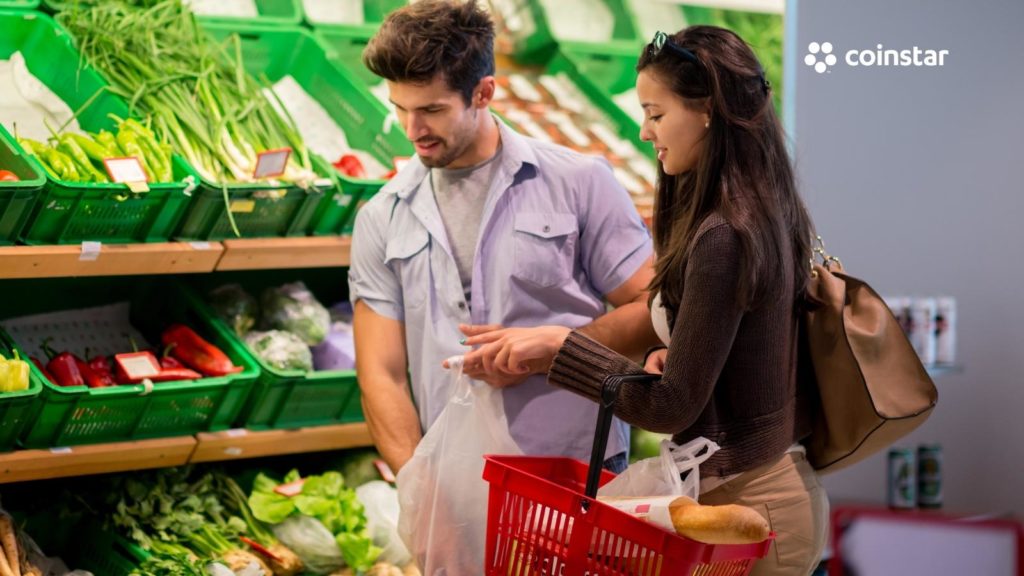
(827, 260)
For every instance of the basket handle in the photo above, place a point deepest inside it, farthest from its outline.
(606, 409)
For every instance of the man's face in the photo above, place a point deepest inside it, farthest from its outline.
(436, 120)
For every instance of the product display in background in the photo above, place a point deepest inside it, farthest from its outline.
(914, 479)
(930, 325)
(549, 107)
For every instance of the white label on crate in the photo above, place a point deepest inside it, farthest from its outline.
(574, 134)
(199, 245)
(61, 450)
(271, 163)
(233, 451)
(233, 8)
(90, 251)
(236, 432)
(523, 88)
(629, 182)
(139, 365)
(618, 146)
(125, 170)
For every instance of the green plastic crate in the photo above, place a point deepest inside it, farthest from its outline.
(82, 543)
(16, 198)
(538, 46)
(277, 52)
(292, 398)
(19, 4)
(271, 12)
(259, 210)
(70, 212)
(80, 415)
(374, 13)
(16, 408)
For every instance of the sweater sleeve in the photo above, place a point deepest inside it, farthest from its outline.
(702, 338)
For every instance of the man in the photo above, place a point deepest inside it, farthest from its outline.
(483, 227)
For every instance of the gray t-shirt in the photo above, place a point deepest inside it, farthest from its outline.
(461, 194)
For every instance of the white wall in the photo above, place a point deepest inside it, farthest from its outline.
(915, 177)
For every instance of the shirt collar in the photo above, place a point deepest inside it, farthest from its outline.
(516, 151)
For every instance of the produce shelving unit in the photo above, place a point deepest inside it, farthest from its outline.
(44, 464)
(173, 257)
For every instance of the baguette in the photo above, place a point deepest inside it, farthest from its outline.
(727, 524)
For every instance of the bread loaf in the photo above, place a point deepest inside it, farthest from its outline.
(728, 524)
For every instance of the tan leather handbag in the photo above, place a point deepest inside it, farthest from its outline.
(872, 388)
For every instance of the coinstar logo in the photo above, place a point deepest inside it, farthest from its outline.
(820, 57)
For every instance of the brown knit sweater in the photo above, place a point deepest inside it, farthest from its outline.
(730, 374)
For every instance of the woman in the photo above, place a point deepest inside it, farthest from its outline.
(733, 239)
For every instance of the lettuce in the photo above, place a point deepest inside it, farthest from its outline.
(327, 499)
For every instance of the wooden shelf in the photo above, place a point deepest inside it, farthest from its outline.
(92, 259)
(276, 253)
(237, 444)
(95, 459)
(22, 465)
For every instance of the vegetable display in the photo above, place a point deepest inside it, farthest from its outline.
(79, 158)
(196, 90)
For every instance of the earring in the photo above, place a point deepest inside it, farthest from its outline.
(707, 124)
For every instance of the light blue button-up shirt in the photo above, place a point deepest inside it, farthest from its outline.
(558, 233)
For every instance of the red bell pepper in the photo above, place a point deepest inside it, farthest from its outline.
(63, 366)
(167, 361)
(350, 165)
(92, 378)
(42, 368)
(197, 353)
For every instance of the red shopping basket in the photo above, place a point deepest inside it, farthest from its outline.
(542, 519)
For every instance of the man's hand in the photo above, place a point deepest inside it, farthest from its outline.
(656, 361)
(507, 356)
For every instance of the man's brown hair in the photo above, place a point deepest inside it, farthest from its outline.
(417, 42)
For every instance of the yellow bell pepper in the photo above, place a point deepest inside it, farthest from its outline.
(13, 374)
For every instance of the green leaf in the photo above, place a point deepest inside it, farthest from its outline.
(292, 477)
(263, 483)
(328, 485)
(271, 507)
(357, 550)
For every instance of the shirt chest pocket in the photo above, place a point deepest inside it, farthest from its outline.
(545, 248)
(407, 256)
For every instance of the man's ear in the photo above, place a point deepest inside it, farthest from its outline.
(484, 93)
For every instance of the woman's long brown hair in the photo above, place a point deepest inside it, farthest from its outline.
(744, 172)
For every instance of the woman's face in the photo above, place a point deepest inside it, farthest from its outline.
(676, 131)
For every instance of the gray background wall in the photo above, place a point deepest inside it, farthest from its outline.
(914, 177)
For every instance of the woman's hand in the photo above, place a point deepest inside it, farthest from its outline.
(507, 356)
(655, 363)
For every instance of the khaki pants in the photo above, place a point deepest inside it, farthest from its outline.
(788, 494)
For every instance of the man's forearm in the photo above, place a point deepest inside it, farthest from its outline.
(626, 329)
(393, 422)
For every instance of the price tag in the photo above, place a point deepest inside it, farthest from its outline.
(127, 171)
(138, 365)
(200, 245)
(90, 250)
(235, 432)
(61, 450)
(271, 163)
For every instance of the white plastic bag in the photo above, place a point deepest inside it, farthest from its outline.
(380, 502)
(663, 474)
(441, 490)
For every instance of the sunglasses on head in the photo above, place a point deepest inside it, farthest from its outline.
(662, 41)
